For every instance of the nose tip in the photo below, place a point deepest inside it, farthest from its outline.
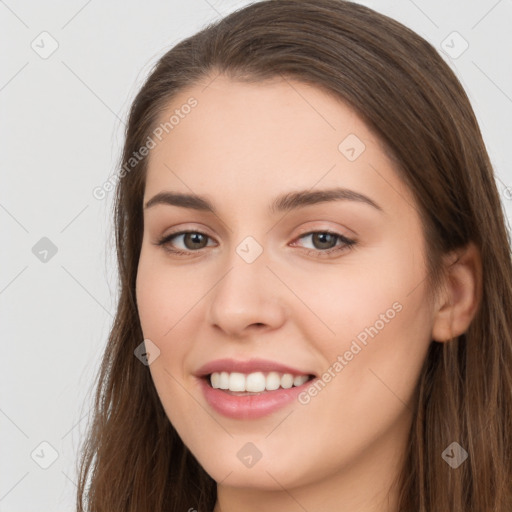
(245, 299)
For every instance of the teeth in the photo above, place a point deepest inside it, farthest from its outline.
(237, 382)
(299, 380)
(255, 382)
(273, 381)
(224, 380)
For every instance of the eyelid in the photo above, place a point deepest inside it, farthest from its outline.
(302, 231)
(327, 229)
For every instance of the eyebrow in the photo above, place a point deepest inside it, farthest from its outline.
(284, 203)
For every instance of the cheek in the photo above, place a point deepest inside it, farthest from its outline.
(165, 301)
(163, 297)
(341, 301)
(164, 304)
(372, 325)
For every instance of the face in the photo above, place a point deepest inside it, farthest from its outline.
(282, 279)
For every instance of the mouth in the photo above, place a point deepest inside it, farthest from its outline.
(256, 383)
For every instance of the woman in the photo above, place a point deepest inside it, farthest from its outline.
(316, 281)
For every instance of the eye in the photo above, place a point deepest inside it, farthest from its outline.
(326, 242)
(193, 240)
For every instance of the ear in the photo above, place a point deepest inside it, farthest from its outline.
(459, 299)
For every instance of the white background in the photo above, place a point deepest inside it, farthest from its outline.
(62, 121)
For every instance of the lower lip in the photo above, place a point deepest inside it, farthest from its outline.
(250, 407)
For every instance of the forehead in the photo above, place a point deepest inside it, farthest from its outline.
(246, 139)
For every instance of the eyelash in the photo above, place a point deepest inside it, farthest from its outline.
(319, 253)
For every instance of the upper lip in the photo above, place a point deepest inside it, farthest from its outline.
(248, 366)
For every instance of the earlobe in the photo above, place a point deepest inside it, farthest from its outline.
(461, 294)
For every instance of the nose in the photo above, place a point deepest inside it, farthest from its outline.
(247, 298)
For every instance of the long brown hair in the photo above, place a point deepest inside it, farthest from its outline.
(133, 460)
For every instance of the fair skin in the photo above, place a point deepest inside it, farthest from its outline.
(240, 147)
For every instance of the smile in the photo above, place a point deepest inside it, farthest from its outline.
(251, 405)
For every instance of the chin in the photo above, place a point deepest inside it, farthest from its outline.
(270, 473)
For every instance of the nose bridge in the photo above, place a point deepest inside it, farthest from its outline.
(247, 292)
(247, 273)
